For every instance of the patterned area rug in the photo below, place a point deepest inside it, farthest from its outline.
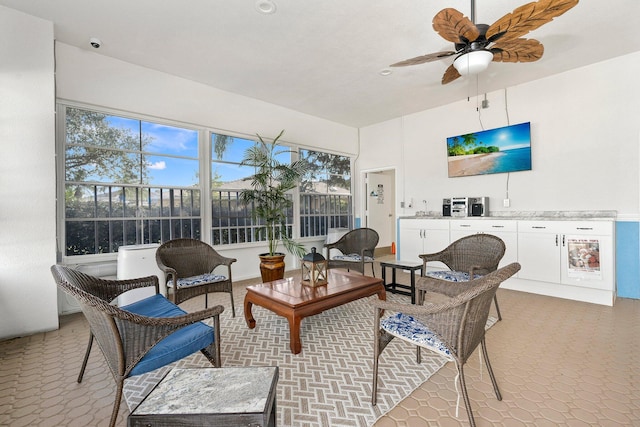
(329, 382)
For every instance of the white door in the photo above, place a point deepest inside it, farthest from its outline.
(381, 205)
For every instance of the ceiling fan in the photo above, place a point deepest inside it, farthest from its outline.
(476, 45)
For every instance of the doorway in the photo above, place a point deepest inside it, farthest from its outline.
(380, 214)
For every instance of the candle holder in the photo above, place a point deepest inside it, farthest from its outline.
(314, 269)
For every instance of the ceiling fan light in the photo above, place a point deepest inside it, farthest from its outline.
(473, 62)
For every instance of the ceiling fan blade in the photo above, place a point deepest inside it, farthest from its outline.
(518, 50)
(424, 58)
(528, 17)
(450, 75)
(453, 26)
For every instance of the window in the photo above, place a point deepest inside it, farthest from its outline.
(127, 181)
(325, 193)
(132, 181)
(232, 222)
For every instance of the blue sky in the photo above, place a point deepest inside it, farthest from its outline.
(506, 138)
(174, 141)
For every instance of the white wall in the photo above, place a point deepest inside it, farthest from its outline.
(27, 176)
(584, 126)
(87, 77)
(28, 296)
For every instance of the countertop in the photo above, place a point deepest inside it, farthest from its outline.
(528, 215)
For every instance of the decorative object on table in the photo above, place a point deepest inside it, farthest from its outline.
(140, 337)
(468, 257)
(476, 45)
(270, 203)
(451, 322)
(356, 250)
(188, 266)
(314, 269)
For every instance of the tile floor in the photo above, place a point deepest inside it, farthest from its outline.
(557, 362)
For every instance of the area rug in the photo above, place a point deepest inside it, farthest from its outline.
(329, 382)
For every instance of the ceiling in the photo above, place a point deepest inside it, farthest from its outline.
(324, 58)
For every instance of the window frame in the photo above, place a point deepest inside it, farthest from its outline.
(61, 182)
(205, 159)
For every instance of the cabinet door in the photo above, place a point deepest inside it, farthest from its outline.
(421, 236)
(410, 241)
(462, 228)
(587, 261)
(435, 241)
(539, 256)
(504, 229)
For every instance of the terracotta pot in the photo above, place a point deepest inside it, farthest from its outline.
(272, 267)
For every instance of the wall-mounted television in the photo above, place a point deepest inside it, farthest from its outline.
(500, 150)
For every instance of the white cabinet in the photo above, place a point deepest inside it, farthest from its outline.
(507, 230)
(539, 250)
(421, 236)
(574, 259)
(586, 257)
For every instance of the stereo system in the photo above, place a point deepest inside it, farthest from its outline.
(465, 206)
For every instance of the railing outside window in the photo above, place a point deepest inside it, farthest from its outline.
(127, 182)
(325, 194)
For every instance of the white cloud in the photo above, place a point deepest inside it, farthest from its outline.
(161, 165)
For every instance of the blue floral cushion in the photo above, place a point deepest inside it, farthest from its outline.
(451, 276)
(352, 258)
(406, 327)
(197, 280)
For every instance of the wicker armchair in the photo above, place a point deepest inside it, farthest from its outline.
(453, 325)
(190, 264)
(141, 336)
(356, 250)
(468, 257)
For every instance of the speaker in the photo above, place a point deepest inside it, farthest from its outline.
(477, 209)
(446, 207)
(478, 206)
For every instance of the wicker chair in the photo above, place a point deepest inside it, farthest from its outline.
(141, 336)
(190, 264)
(453, 325)
(356, 250)
(469, 256)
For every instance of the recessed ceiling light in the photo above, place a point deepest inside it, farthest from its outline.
(385, 72)
(266, 6)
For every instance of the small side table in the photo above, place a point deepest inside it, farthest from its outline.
(411, 266)
(243, 396)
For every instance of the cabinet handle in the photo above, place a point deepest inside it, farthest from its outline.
(538, 226)
(497, 226)
(556, 240)
(563, 236)
(465, 225)
(584, 228)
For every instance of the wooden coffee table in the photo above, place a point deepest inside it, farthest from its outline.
(292, 300)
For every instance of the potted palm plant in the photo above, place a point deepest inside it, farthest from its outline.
(270, 203)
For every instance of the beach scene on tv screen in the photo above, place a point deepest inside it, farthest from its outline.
(500, 150)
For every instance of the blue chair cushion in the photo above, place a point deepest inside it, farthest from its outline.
(197, 280)
(176, 346)
(409, 329)
(352, 258)
(451, 276)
